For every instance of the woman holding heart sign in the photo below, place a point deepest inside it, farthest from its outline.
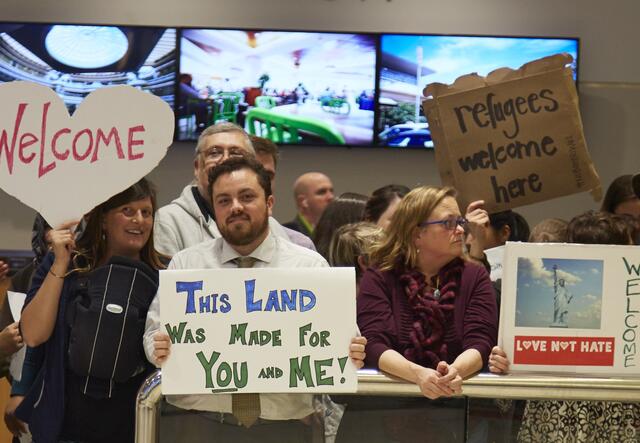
(84, 318)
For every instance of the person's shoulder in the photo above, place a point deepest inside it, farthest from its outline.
(205, 248)
(293, 225)
(373, 273)
(166, 212)
(303, 256)
(376, 283)
(373, 270)
(473, 270)
(178, 205)
(296, 225)
(170, 217)
(474, 276)
(299, 238)
(176, 225)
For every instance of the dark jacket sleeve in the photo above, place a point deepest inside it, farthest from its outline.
(39, 276)
(480, 327)
(375, 316)
(32, 363)
(36, 282)
(33, 356)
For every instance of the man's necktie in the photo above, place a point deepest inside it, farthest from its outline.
(246, 407)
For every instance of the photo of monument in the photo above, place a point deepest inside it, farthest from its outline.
(559, 293)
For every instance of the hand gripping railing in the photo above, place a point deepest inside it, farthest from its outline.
(371, 382)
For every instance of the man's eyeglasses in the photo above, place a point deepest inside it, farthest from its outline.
(218, 153)
(448, 223)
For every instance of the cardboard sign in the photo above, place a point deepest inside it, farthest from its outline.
(512, 138)
(571, 308)
(258, 330)
(62, 166)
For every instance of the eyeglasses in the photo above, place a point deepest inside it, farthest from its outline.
(448, 223)
(218, 153)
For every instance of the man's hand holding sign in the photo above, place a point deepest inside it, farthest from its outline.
(285, 325)
(273, 330)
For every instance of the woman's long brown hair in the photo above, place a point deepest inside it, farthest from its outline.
(92, 245)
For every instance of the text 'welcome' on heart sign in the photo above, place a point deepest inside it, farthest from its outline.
(63, 166)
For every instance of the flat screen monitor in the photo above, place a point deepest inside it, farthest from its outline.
(409, 62)
(76, 59)
(291, 87)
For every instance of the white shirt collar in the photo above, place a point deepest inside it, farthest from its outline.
(264, 252)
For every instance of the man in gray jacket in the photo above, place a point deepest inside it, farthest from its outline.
(189, 220)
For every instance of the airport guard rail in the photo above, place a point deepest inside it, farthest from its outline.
(483, 385)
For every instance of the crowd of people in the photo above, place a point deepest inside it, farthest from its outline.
(427, 309)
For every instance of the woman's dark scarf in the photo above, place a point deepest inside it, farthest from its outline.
(431, 315)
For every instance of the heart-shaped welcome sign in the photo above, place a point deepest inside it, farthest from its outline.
(63, 166)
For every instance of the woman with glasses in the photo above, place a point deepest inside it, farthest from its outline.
(429, 315)
(83, 322)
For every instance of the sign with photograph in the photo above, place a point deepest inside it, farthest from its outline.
(258, 330)
(571, 308)
(511, 138)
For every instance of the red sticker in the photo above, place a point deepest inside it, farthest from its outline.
(560, 351)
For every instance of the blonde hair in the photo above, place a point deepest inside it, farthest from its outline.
(398, 248)
(352, 241)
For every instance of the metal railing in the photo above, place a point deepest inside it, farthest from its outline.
(371, 382)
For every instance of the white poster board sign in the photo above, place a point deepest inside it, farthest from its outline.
(62, 166)
(495, 257)
(16, 302)
(571, 308)
(258, 330)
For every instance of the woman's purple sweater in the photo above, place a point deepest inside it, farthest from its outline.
(385, 316)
